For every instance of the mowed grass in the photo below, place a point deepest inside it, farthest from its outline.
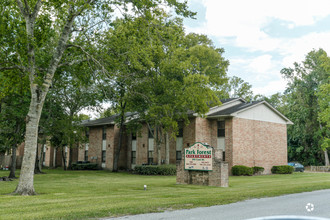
(96, 194)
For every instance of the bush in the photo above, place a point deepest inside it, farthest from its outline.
(283, 169)
(240, 170)
(165, 170)
(84, 166)
(257, 170)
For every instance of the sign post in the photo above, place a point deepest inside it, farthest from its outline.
(200, 166)
(198, 157)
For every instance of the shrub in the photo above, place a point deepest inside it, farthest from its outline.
(240, 170)
(84, 166)
(166, 170)
(283, 169)
(257, 170)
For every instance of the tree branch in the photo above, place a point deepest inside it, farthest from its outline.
(73, 62)
(22, 68)
(36, 10)
(89, 55)
(21, 8)
(27, 8)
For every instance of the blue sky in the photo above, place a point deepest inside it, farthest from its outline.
(261, 37)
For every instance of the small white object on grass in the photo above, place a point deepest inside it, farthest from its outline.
(145, 187)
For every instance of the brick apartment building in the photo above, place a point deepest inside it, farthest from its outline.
(51, 157)
(248, 133)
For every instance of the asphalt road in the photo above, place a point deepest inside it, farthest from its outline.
(317, 203)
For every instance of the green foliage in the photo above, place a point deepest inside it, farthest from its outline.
(303, 108)
(240, 170)
(84, 166)
(324, 102)
(165, 170)
(235, 87)
(179, 73)
(14, 103)
(283, 169)
(257, 170)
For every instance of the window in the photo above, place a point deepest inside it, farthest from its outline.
(178, 155)
(221, 128)
(180, 134)
(133, 136)
(179, 143)
(150, 157)
(103, 156)
(87, 134)
(104, 133)
(86, 155)
(150, 146)
(151, 133)
(133, 158)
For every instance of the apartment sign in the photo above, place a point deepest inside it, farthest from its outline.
(198, 157)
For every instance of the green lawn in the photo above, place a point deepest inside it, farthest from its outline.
(88, 194)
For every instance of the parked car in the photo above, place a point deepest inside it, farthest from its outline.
(298, 167)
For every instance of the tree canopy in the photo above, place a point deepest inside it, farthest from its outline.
(38, 37)
(304, 98)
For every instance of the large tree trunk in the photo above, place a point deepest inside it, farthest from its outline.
(25, 184)
(159, 144)
(120, 142)
(39, 160)
(2, 159)
(13, 163)
(326, 157)
(64, 158)
(38, 92)
(167, 144)
(117, 151)
(70, 157)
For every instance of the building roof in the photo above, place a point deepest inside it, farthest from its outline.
(229, 108)
(105, 121)
(233, 109)
(229, 100)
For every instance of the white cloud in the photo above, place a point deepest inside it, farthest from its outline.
(270, 88)
(244, 20)
(295, 50)
(261, 64)
(242, 24)
(261, 68)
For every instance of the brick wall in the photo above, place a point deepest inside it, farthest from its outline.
(111, 141)
(229, 142)
(258, 143)
(142, 145)
(172, 146)
(189, 133)
(49, 156)
(95, 145)
(203, 130)
(81, 152)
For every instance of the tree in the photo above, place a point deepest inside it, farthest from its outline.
(14, 104)
(180, 75)
(60, 119)
(236, 87)
(324, 113)
(36, 38)
(304, 81)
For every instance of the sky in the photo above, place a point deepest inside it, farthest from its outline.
(261, 37)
